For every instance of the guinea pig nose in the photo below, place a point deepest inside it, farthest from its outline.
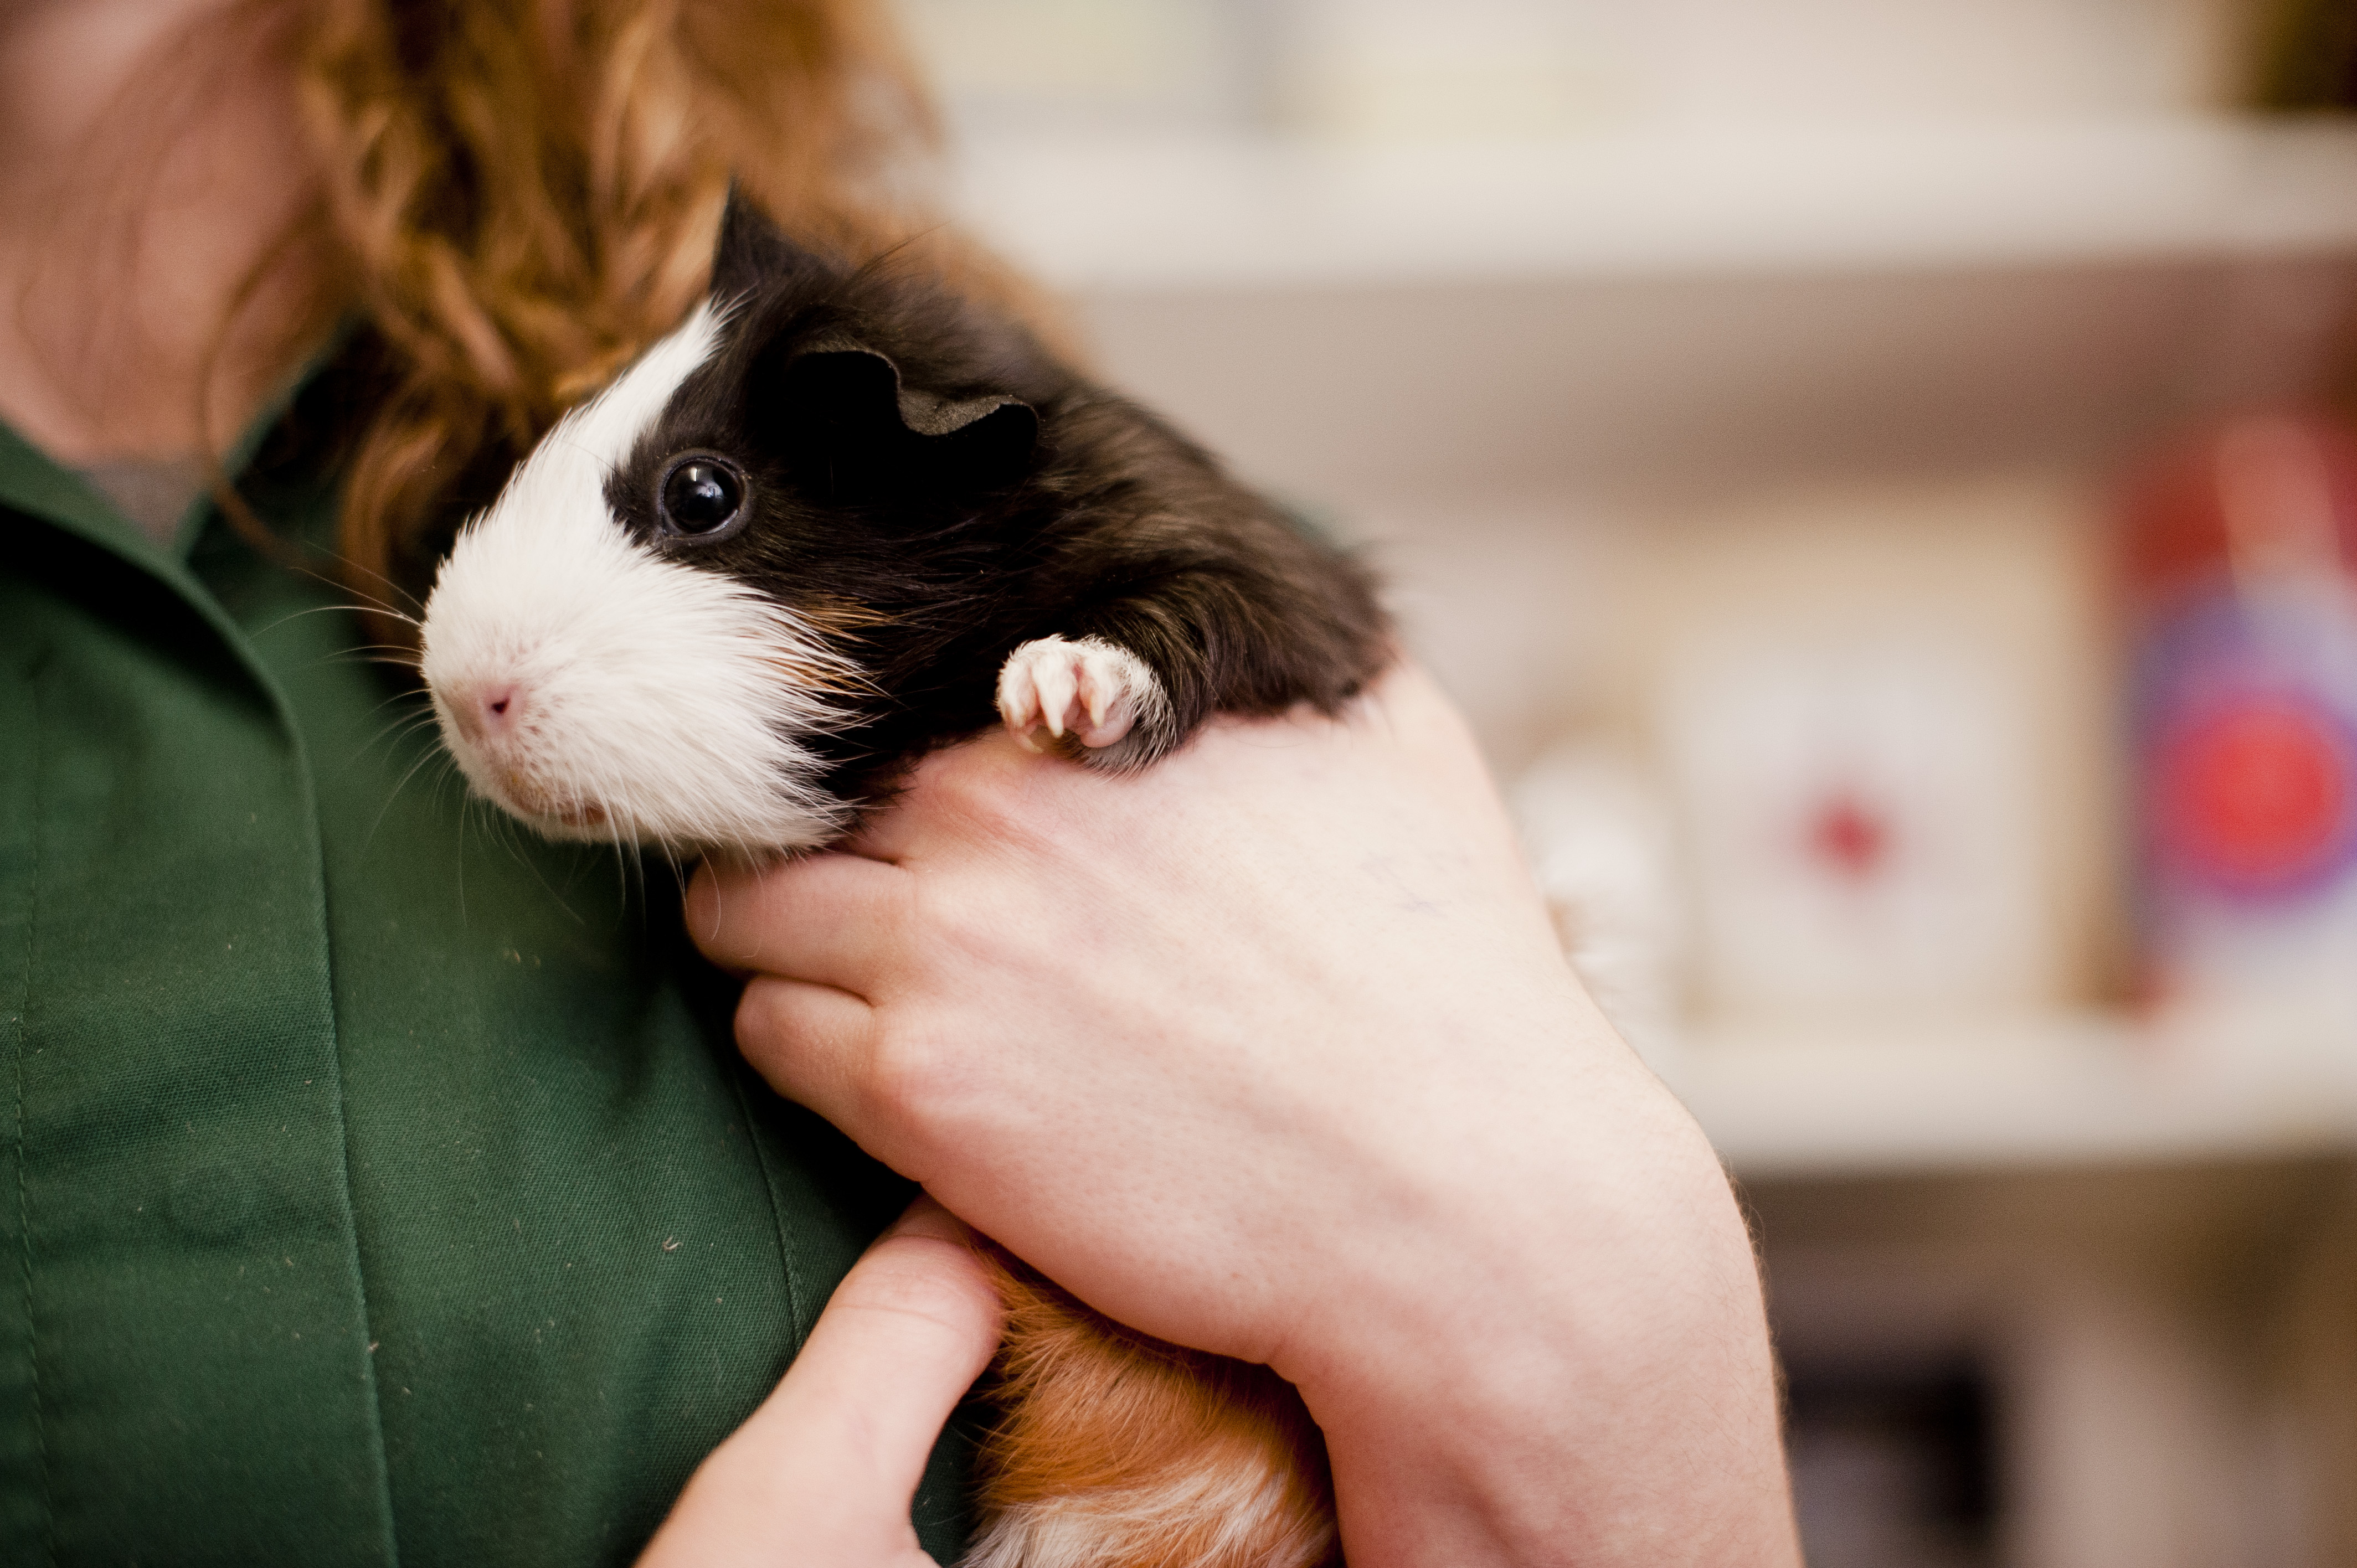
(484, 711)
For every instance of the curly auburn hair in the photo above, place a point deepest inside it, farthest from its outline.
(518, 196)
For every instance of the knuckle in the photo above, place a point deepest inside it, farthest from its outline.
(906, 1077)
(970, 939)
(989, 818)
(762, 1026)
(757, 1019)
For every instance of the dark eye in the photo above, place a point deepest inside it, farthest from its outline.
(702, 496)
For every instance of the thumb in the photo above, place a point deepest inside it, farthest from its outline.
(822, 1472)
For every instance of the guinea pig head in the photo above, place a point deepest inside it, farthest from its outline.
(662, 629)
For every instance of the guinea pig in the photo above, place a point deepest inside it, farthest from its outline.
(838, 518)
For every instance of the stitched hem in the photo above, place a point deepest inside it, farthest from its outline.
(48, 1536)
(299, 760)
(804, 1317)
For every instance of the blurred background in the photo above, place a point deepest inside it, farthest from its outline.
(1876, 475)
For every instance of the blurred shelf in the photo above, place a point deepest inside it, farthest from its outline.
(1618, 316)
(1126, 215)
(2073, 1090)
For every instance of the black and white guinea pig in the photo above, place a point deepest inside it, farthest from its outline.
(836, 519)
(841, 517)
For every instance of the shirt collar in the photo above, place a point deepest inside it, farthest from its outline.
(37, 485)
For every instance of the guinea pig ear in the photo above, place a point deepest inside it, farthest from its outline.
(753, 252)
(855, 430)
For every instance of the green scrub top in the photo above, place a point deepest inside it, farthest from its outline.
(378, 1183)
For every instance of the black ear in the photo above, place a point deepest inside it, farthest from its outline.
(752, 250)
(854, 431)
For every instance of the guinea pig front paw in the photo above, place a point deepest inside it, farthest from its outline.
(1087, 687)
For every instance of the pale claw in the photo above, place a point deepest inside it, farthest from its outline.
(1094, 690)
(1018, 702)
(1058, 682)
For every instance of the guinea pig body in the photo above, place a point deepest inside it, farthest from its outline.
(837, 519)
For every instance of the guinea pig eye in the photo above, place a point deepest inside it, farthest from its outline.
(702, 496)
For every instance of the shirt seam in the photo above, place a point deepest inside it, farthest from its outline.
(48, 1530)
(794, 1307)
(307, 790)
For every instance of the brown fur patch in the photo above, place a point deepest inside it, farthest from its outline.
(1118, 1451)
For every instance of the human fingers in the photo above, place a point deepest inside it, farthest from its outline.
(822, 1474)
(814, 1044)
(1194, 991)
(983, 789)
(823, 918)
(901, 1340)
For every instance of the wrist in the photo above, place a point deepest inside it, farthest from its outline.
(1575, 1369)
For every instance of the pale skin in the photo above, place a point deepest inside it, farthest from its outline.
(127, 222)
(1268, 1050)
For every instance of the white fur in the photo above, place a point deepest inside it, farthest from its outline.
(652, 701)
(1132, 1527)
(1089, 686)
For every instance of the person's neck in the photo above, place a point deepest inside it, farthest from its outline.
(139, 192)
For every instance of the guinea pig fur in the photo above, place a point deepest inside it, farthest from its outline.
(838, 518)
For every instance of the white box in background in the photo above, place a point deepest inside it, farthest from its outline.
(1883, 718)
(1861, 821)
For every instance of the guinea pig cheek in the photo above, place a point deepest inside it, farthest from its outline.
(658, 709)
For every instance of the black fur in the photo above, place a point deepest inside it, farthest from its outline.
(932, 487)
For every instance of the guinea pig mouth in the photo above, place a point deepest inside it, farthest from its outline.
(525, 797)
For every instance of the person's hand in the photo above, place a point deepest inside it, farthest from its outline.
(1270, 1050)
(822, 1475)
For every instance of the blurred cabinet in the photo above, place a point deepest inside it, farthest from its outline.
(2164, 1351)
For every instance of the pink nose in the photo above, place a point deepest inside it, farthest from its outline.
(485, 712)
